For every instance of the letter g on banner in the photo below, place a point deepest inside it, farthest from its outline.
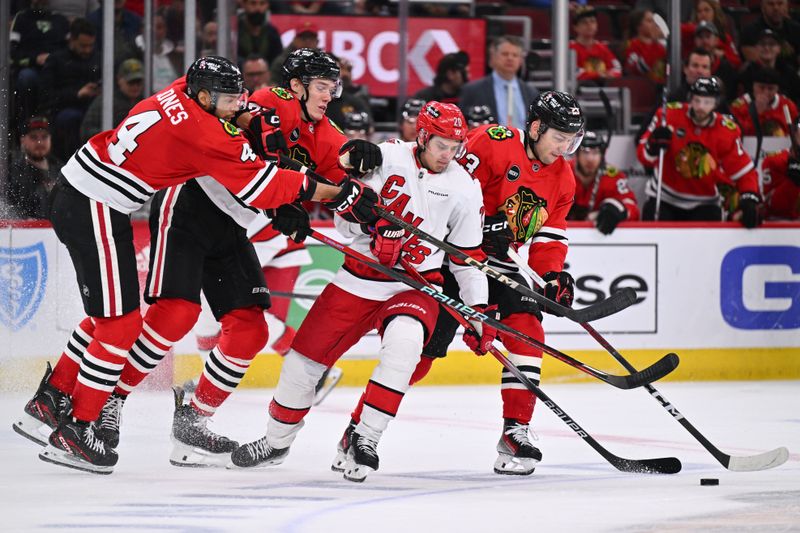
(760, 287)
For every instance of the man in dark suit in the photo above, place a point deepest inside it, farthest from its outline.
(502, 91)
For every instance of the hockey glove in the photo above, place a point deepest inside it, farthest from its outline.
(608, 216)
(660, 138)
(266, 135)
(387, 242)
(748, 203)
(360, 155)
(559, 287)
(355, 203)
(793, 170)
(291, 220)
(497, 236)
(481, 335)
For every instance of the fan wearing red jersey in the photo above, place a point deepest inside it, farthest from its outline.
(702, 149)
(421, 182)
(166, 140)
(595, 60)
(781, 172)
(602, 194)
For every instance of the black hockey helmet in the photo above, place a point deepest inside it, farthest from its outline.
(411, 109)
(709, 86)
(307, 64)
(478, 115)
(560, 111)
(357, 121)
(215, 74)
(593, 140)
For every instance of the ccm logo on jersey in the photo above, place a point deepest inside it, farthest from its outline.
(760, 287)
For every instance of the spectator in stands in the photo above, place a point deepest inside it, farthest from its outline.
(166, 59)
(354, 98)
(306, 35)
(451, 75)
(256, 35)
(595, 61)
(256, 73)
(774, 111)
(502, 91)
(70, 81)
(375, 8)
(645, 54)
(174, 18)
(775, 17)
(711, 11)
(706, 37)
(768, 55)
(208, 39)
(35, 34)
(781, 179)
(407, 123)
(127, 93)
(357, 125)
(696, 65)
(479, 115)
(73, 9)
(33, 172)
(127, 25)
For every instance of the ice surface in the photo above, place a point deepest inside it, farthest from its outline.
(436, 468)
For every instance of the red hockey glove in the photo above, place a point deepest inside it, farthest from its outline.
(660, 138)
(608, 216)
(793, 170)
(265, 134)
(361, 156)
(387, 242)
(748, 203)
(291, 220)
(497, 236)
(355, 203)
(480, 337)
(559, 287)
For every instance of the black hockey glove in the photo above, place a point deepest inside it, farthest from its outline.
(793, 170)
(355, 203)
(559, 287)
(608, 216)
(360, 155)
(291, 220)
(748, 203)
(660, 138)
(265, 134)
(497, 236)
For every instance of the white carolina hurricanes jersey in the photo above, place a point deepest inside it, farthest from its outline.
(448, 205)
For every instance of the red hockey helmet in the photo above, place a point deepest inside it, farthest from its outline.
(444, 120)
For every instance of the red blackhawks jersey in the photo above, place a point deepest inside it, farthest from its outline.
(698, 159)
(646, 59)
(168, 139)
(775, 120)
(595, 61)
(781, 195)
(535, 197)
(446, 205)
(609, 185)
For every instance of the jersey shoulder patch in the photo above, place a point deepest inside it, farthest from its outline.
(499, 133)
(612, 171)
(282, 93)
(229, 128)
(728, 121)
(674, 105)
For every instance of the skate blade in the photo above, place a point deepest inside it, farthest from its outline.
(188, 456)
(356, 473)
(32, 429)
(339, 462)
(514, 466)
(334, 376)
(51, 454)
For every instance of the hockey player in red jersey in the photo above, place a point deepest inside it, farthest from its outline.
(602, 194)
(781, 171)
(166, 140)
(774, 111)
(420, 182)
(702, 149)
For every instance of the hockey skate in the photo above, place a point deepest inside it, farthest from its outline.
(326, 384)
(517, 456)
(106, 427)
(193, 443)
(43, 412)
(257, 454)
(74, 444)
(342, 447)
(362, 458)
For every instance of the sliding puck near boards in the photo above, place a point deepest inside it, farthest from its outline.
(709, 481)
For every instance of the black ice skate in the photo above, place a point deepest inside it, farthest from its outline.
(342, 447)
(193, 443)
(362, 458)
(74, 444)
(43, 412)
(107, 424)
(517, 456)
(257, 454)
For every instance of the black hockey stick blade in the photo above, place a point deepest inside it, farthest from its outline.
(654, 372)
(621, 299)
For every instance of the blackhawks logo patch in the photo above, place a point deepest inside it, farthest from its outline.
(728, 122)
(229, 128)
(694, 161)
(499, 133)
(282, 93)
(674, 105)
(526, 213)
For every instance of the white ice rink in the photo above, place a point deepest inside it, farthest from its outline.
(436, 468)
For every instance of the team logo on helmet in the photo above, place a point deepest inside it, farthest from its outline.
(513, 173)
(23, 280)
(282, 93)
(694, 161)
(432, 111)
(499, 133)
(526, 213)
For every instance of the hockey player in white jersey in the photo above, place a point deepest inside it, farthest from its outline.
(421, 182)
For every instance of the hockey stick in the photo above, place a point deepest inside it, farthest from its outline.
(660, 182)
(293, 295)
(613, 304)
(658, 370)
(664, 465)
(751, 463)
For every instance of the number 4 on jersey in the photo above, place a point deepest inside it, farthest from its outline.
(127, 133)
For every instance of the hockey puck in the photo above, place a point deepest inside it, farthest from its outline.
(709, 481)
